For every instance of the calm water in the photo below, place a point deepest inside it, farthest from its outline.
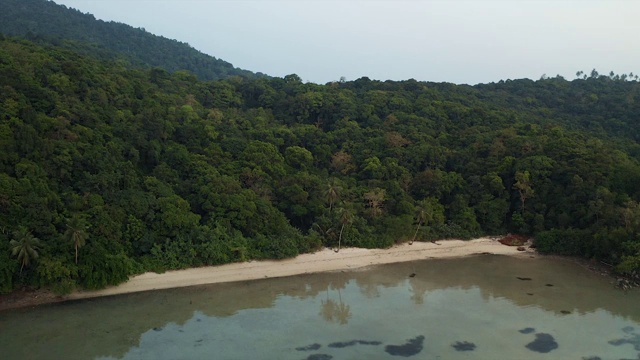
(484, 307)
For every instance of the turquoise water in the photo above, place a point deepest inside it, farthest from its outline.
(483, 307)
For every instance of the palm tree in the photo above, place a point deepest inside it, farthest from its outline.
(345, 218)
(77, 233)
(25, 246)
(423, 215)
(332, 192)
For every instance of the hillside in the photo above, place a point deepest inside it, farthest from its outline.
(46, 22)
(118, 171)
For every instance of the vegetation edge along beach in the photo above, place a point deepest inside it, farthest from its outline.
(325, 260)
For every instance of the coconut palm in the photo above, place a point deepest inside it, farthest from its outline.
(423, 215)
(25, 246)
(76, 233)
(332, 192)
(346, 216)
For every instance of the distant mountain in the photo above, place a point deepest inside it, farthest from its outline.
(45, 21)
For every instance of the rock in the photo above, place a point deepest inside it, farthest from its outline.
(543, 343)
(412, 347)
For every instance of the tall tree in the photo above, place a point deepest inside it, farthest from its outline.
(25, 246)
(424, 213)
(346, 217)
(332, 192)
(375, 198)
(523, 185)
(76, 233)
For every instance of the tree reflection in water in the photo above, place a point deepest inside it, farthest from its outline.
(335, 312)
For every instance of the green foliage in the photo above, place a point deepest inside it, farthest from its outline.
(142, 170)
(24, 247)
(47, 22)
(57, 273)
(563, 241)
(8, 267)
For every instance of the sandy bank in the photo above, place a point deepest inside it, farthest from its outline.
(321, 261)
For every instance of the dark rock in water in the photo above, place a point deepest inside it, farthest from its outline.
(363, 342)
(634, 340)
(566, 312)
(549, 285)
(523, 278)
(340, 345)
(528, 330)
(529, 294)
(628, 329)
(311, 347)
(543, 343)
(412, 275)
(591, 358)
(157, 329)
(352, 343)
(319, 357)
(412, 347)
(464, 346)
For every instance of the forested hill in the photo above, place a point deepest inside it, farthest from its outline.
(108, 171)
(47, 22)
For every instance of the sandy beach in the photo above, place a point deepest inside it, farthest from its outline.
(320, 261)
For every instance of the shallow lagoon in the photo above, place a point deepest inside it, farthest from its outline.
(480, 307)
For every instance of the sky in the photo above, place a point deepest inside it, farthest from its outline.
(457, 41)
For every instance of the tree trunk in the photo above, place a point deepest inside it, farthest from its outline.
(340, 237)
(415, 235)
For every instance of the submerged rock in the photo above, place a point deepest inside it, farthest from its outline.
(311, 347)
(543, 343)
(528, 330)
(464, 346)
(523, 278)
(628, 329)
(352, 343)
(412, 347)
(632, 339)
(319, 357)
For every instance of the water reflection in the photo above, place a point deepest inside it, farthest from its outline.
(335, 312)
(448, 307)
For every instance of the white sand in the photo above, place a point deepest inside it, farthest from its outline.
(321, 261)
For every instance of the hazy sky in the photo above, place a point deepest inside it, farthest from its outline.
(454, 41)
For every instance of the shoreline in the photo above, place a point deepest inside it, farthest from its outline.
(325, 260)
